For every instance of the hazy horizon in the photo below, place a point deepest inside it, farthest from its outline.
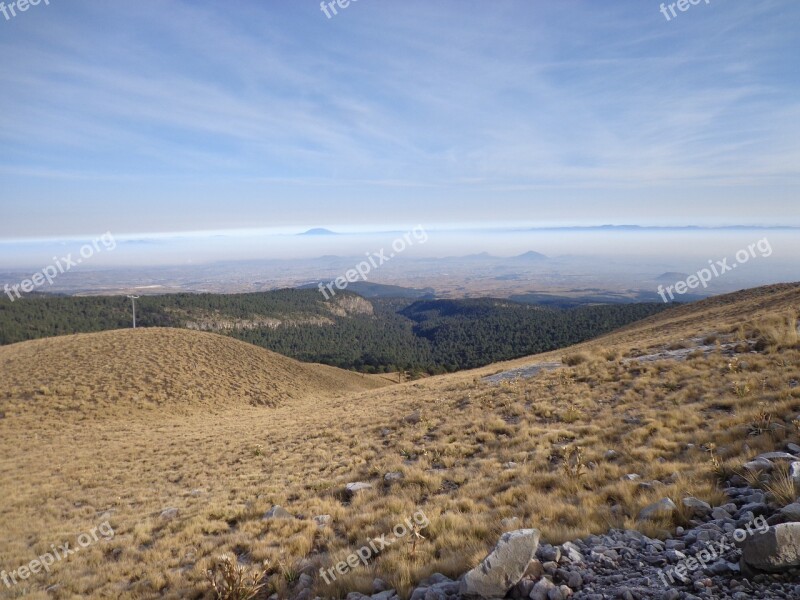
(199, 116)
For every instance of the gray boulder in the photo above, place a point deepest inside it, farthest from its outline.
(504, 567)
(791, 512)
(776, 550)
(698, 507)
(542, 589)
(773, 456)
(663, 508)
(759, 464)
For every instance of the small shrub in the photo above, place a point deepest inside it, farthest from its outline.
(761, 424)
(571, 415)
(574, 466)
(232, 581)
(775, 332)
(781, 486)
(741, 389)
(753, 478)
(572, 360)
(610, 354)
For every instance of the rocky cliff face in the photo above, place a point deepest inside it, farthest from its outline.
(348, 306)
(341, 306)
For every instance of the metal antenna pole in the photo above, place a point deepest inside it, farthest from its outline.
(133, 302)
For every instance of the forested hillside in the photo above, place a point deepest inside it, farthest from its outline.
(376, 335)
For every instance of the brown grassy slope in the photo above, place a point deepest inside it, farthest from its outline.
(159, 367)
(478, 454)
(696, 320)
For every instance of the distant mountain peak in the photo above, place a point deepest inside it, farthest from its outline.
(531, 255)
(672, 276)
(319, 231)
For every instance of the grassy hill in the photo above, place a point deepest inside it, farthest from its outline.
(477, 457)
(159, 368)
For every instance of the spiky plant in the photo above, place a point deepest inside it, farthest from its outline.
(232, 581)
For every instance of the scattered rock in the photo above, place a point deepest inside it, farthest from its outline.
(698, 507)
(305, 581)
(541, 591)
(791, 512)
(323, 520)
(169, 513)
(773, 456)
(663, 508)
(393, 476)
(535, 570)
(720, 513)
(758, 465)
(548, 553)
(794, 472)
(278, 512)
(572, 553)
(413, 418)
(357, 486)
(627, 565)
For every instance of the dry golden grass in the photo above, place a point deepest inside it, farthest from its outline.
(160, 368)
(122, 425)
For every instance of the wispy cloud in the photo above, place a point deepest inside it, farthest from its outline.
(474, 103)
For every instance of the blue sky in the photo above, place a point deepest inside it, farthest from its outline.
(142, 117)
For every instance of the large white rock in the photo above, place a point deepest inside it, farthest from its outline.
(503, 568)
